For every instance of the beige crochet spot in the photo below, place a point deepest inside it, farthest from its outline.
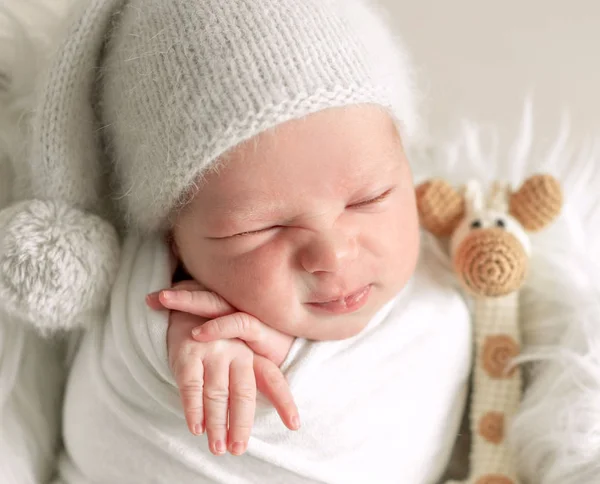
(491, 427)
(498, 351)
(494, 479)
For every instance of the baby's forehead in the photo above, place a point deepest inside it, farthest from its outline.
(329, 154)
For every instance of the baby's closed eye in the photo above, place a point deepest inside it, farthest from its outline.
(256, 231)
(372, 201)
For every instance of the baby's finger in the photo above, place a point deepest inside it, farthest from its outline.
(242, 404)
(262, 339)
(237, 325)
(201, 303)
(153, 302)
(216, 403)
(179, 341)
(271, 382)
(189, 375)
(153, 299)
(187, 285)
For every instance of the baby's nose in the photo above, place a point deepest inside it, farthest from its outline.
(329, 252)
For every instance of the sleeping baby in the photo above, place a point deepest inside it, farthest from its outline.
(251, 157)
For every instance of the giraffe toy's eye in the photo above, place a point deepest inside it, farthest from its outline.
(500, 223)
(476, 224)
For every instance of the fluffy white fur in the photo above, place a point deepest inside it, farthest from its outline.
(31, 368)
(557, 431)
(46, 275)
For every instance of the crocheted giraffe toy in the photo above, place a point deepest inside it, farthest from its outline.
(490, 249)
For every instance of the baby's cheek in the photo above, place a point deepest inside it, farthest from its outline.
(401, 244)
(261, 282)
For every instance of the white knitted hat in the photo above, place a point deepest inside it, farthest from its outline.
(145, 95)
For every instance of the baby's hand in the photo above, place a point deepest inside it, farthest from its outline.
(190, 362)
(218, 381)
(225, 322)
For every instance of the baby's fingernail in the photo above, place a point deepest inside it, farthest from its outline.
(197, 331)
(153, 301)
(220, 447)
(198, 429)
(168, 295)
(295, 421)
(238, 448)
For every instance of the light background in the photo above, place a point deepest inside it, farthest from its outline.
(481, 58)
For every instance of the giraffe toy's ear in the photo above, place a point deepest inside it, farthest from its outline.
(537, 203)
(440, 206)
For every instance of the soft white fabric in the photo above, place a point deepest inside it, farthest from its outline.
(31, 369)
(31, 379)
(381, 407)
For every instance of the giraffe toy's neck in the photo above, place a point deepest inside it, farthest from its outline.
(497, 389)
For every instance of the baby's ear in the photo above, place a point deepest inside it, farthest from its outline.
(440, 206)
(173, 251)
(537, 203)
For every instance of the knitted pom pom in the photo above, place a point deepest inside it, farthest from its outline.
(57, 264)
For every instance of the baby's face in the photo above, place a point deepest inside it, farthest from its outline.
(310, 228)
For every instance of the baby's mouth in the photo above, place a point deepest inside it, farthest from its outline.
(346, 304)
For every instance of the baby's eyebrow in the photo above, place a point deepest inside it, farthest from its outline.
(242, 208)
(253, 212)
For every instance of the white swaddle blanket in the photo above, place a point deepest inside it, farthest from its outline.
(381, 407)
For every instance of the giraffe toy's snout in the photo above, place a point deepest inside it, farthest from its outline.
(491, 262)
